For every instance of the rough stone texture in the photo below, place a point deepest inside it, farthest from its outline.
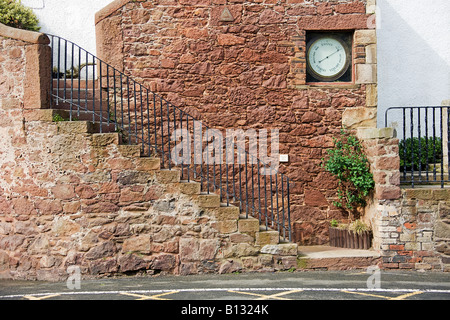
(69, 196)
(63, 203)
(25, 67)
(414, 231)
(410, 226)
(345, 263)
(251, 70)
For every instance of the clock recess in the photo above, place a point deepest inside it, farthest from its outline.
(329, 57)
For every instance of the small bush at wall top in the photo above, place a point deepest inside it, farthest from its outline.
(348, 163)
(420, 152)
(14, 14)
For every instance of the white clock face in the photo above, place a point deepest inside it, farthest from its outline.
(327, 58)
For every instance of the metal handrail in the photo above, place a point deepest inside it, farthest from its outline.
(143, 117)
(421, 148)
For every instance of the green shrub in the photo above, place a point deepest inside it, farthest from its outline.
(14, 14)
(430, 152)
(348, 163)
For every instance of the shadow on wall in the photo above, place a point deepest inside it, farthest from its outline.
(411, 72)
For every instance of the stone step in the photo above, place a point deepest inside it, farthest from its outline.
(75, 83)
(130, 150)
(331, 258)
(148, 164)
(84, 127)
(269, 237)
(225, 212)
(168, 175)
(227, 226)
(281, 249)
(89, 105)
(249, 226)
(83, 93)
(82, 115)
(208, 200)
(189, 187)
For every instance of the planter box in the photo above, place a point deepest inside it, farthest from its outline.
(349, 239)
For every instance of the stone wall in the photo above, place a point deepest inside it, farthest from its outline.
(249, 71)
(25, 68)
(410, 226)
(71, 197)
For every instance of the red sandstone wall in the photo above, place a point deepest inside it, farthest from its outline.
(246, 73)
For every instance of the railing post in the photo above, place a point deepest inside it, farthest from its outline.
(445, 134)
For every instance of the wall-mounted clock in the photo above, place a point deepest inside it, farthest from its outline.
(328, 57)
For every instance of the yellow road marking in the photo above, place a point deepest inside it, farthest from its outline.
(364, 294)
(41, 298)
(401, 297)
(143, 297)
(266, 297)
(404, 296)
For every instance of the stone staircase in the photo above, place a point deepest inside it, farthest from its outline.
(82, 100)
(180, 229)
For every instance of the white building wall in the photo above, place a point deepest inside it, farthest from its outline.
(413, 54)
(73, 20)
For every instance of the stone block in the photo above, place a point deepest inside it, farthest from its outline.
(359, 117)
(441, 194)
(263, 238)
(241, 238)
(104, 139)
(134, 177)
(249, 226)
(209, 200)
(148, 164)
(387, 192)
(227, 213)
(137, 244)
(190, 187)
(43, 114)
(74, 127)
(229, 40)
(365, 37)
(282, 249)
(227, 226)
(371, 53)
(365, 73)
(168, 176)
(421, 194)
(192, 249)
(371, 6)
(374, 133)
(130, 151)
(442, 230)
(371, 95)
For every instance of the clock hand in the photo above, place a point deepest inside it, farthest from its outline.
(329, 56)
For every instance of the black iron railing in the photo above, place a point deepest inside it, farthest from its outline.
(90, 89)
(424, 146)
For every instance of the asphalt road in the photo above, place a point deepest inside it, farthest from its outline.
(314, 285)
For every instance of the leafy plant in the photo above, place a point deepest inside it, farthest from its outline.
(16, 15)
(358, 227)
(348, 163)
(74, 72)
(58, 118)
(423, 150)
(334, 223)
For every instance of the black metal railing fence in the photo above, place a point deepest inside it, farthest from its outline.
(91, 89)
(424, 147)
